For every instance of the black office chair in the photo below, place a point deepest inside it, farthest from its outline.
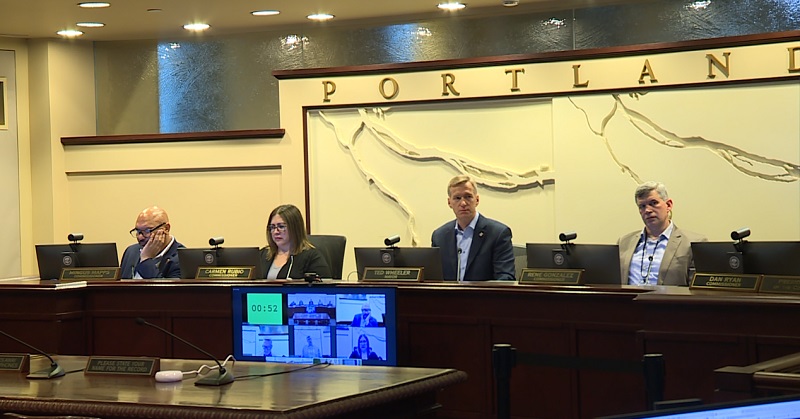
(520, 259)
(332, 248)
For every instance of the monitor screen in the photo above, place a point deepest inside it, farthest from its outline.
(402, 257)
(767, 258)
(50, 257)
(600, 262)
(191, 259)
(322, 323)
(772, 408)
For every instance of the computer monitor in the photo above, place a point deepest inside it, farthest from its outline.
(600, 262)
(53, 257)
(757, 257)
(785, 407)
(191, 259)
(322, 323)
(403, 257)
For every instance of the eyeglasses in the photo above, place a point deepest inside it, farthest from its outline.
(279, 227)
(135, 232)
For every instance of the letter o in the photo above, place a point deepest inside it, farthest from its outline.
(395, 88)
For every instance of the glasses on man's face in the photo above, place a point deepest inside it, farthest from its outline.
(280, 227)
(135, 232)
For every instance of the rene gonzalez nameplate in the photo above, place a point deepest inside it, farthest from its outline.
(780, 284)
(729, 282)
(19, 363)
(89, 274)
(225, 272)
(551, 276)
(122, 366)
(393, 274)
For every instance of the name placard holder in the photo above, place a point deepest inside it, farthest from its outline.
(551, 276)
(726, 282)
(107, 365)
(90, 274)
(780, 284)
(225, 272)
(393, 274)
(17, 363)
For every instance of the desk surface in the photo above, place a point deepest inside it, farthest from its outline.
(321, 391)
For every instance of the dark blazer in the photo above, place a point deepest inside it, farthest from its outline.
(309, 260)
(677, 266)
(151, 268)
(491, 255)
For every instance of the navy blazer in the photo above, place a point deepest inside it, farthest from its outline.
(166, 266)
(491, 255)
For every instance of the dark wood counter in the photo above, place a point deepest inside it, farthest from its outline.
(453, 326)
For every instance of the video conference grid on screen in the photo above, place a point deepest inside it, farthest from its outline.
(343, 326)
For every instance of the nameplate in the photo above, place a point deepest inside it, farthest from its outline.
(728, 282)
(225, 272)
(780, 284)
(122, 366)
(19, 363)
(89, 274)
(393, 274)
(551, 276)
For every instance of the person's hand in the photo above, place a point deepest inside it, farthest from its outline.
(155, 244)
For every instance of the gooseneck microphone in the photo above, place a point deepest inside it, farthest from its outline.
(54, 371)
(222, 377)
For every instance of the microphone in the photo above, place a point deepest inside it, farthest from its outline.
(458, 267)
(391, 241)
(216, 241)
(54, 371)
(740, 234)
(570, 235)
(221, 378)
(75, 237)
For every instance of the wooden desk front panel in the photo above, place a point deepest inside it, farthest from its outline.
(457, 325)
(49, 319)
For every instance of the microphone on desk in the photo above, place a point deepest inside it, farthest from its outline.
(54, 371)
(221, 378)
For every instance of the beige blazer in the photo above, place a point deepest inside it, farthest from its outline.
(677, 266)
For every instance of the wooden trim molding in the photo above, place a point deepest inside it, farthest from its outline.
(540, 57)
(253, 134)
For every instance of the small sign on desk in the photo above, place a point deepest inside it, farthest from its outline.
(780, 284)
(393, 274)
(90, 274)
(122, 366)
(19, 363)
(551, 276)
(225, 272)
(727, 282)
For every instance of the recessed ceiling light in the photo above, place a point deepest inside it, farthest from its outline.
(70, 33)
(320, 16)
(196, 26)
(94, 4)
(90, 24)
(451, 6)
(153, 10)
(265, 12)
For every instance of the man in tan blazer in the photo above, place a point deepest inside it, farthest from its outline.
(661, 253)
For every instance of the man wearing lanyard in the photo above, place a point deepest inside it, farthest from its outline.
(473, 247)
(661, 253)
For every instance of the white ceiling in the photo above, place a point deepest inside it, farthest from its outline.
(129, 19)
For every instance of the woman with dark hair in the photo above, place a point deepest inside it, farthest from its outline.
(289, 254)
(363, 350)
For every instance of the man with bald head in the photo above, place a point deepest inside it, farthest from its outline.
(156, 253)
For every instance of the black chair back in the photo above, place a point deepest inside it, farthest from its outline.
(332, 248)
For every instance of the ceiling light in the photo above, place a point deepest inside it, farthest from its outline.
(320, 16)
(94, 4)
(452, 6)
(90, 24)
(196, 26)
(70, 33)
(265, 12)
